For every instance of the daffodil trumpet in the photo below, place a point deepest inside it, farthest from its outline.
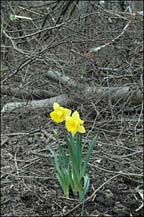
(69, 164)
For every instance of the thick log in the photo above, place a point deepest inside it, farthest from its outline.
(131, 95)
(113, 93)
(26, 94)
(58, 77)
(37, 104)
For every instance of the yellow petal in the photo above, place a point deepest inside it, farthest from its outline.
(76, 115)
(57, 116)
(55, 105)
(53, 116)
(71, 125)
(81, 129)
(67, 112)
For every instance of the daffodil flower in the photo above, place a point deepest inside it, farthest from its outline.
(60, 113)
(69, 163)
(74, 124)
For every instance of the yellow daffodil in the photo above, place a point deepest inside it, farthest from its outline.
(74, 124)
(60, 113)
(69, 163)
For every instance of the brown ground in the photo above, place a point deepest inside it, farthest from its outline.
(28, 183)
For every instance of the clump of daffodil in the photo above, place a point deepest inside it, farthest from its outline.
(60, 113)
(71, 168)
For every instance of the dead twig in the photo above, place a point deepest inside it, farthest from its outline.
(90, 197)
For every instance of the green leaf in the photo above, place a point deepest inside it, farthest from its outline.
(74, 160)
(93, 142)
(71, 182)
(79, 151)
(64, 181)
(62, 174)
(56, 162)
(76, 180)
(71, 148)
(63, 158)
(85, 189)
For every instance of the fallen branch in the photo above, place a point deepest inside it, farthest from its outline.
(58, 77)
(26, 94)
(114, 93)
(131, 94)
(36, 104)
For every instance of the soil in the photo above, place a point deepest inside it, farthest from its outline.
(28, 183)
(30, 188)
